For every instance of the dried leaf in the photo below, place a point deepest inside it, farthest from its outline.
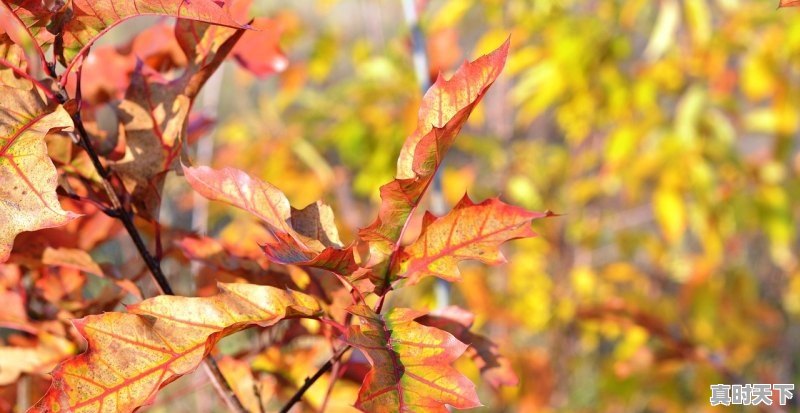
(469, 231)
(130, 356)
(314, 243)
(444, 110)
(155, 112)
(83, 21)
(28, 178)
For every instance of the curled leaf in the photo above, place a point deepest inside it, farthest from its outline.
(314, 242)
(444, 110)
(28, 178)
(155, 111)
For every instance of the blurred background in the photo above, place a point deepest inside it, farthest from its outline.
(665, 132)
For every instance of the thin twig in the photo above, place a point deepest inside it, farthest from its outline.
(311, 380)
(222, 386)
(334, 377)
(126, 216)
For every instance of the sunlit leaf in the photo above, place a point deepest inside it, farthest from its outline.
(28, 178)
(154, 112)
(131, 355)
(495, 368)
(314, 243)
(411, 363)
(444, 110)
(469, 231)
(81, 22)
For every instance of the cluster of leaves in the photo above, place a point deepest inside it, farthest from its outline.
(87, 141)
(666, 131)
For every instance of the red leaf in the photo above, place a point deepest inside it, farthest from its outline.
(495, 368)
(28, 178)
(130, 356)
(81, 22)
(411, 364)
(306, 237)
(444, 110)
(259, 51)
(469, 231)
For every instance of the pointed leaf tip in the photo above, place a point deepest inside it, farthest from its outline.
(444, 110)
(469, 231)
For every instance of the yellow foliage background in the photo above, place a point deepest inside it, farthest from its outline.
(665, 132)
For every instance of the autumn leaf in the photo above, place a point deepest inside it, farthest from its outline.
(264, 38)
(411, 364)
(81, 22)
(218, 263)
(444, 110)
(71, 258)
(494, 368)
(789, 3)
(130, 356)
(306, 237)
(155, 112)
(28, 178)
(80, 260)
(258, 51)
(469, 231)
(12, 54)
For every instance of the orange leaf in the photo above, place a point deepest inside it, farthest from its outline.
(469, 231)
(154, 112)
(259, 50)
(81, 22)
(130, 356)
(306, 237)
(444, 110)
(11, 34)
(28, 178)
(411, 369)
(495, 368)
(71, 258)
(789, 3)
